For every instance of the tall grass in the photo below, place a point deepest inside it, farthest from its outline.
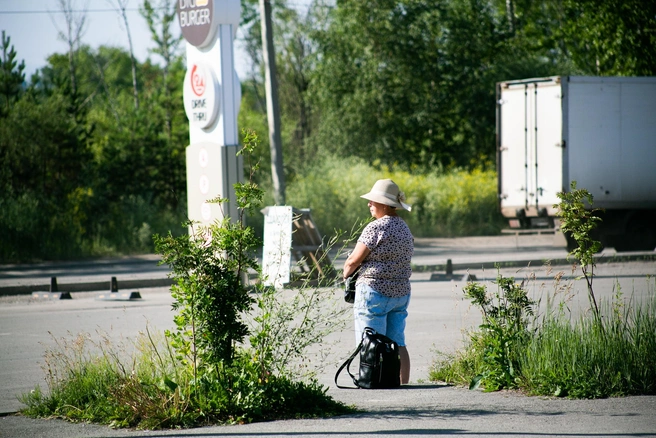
(141, 384)
(579, 358)
(122, 384)
(444, 204)
(586, 359)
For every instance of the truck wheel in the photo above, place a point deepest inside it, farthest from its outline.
(640, 235)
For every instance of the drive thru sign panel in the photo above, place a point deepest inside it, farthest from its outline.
(211, 94)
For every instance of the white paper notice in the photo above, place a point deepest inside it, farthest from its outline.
(277, 252)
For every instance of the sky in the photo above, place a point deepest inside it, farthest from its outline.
(33, 26)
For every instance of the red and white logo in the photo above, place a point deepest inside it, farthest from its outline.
(201, 95)
(197, 81)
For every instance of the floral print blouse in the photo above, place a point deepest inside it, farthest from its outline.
(387, 267)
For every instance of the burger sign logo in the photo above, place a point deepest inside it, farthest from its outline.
(195, 18)
(200, 93)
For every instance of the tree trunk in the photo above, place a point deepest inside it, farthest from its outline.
(273, 107)
(121, 5)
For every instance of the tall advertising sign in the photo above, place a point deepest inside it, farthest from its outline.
(211, 93)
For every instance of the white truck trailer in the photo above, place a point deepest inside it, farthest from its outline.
(597, 131)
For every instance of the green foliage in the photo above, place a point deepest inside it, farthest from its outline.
(209, 295)
(142, 385)
(554, 356)
(412, 82)
(580, 360)
(11, 75)
(43, 190)
(456, 203)
(204, 373)
(502, 333)
(578, 222)
(607, 38)
(401, 84)
(83, 173)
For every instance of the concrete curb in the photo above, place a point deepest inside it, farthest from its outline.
(642, 257)
(92, 286)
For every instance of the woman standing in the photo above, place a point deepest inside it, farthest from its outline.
(383, 253)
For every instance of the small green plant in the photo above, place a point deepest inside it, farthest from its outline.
(577, 221)
(209, 293)
(504, 329)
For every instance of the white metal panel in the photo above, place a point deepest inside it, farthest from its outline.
(531, 144)
(594, 138)
(512, 164)
(638, 142)
(547, 142)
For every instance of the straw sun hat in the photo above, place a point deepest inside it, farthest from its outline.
(385, 191)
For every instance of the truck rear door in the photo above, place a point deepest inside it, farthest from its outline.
(530, 146)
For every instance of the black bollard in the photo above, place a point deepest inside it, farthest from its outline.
(53, 285)
(113, 285)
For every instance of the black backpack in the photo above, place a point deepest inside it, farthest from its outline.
(380, 362)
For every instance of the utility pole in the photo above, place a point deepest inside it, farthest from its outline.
(273, 108)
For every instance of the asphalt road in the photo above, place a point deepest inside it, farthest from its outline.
(438, 315)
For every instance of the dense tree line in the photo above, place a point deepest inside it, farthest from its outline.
(85, 168)
(92, 146)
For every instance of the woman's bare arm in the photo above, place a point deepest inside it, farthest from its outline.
(355, 259)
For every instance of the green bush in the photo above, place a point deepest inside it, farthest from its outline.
(491, 358)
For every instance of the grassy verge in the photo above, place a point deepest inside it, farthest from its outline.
(584, 359)
(444, 203)
(564, 357)
(99, 382)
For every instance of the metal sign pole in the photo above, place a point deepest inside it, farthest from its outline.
(212, 94)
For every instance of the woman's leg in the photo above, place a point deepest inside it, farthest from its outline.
(396, 330)
(370, 310)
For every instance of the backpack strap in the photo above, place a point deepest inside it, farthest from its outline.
(347, 365)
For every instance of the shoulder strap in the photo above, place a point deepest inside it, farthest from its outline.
(347, 365)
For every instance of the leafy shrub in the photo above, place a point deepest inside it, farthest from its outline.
(504, 330)
(556, 356)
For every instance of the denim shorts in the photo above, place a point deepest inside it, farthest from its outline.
(384, 314)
